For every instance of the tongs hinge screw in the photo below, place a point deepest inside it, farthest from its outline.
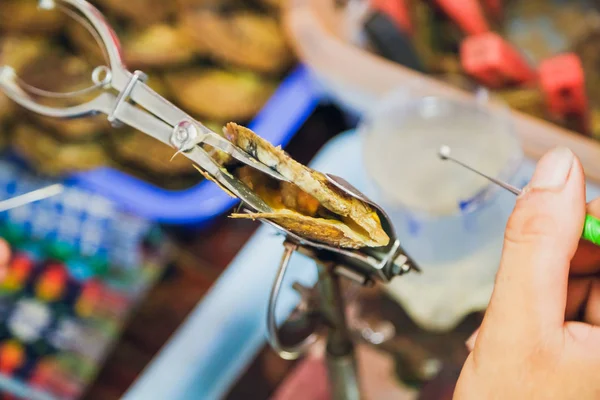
(184, 136)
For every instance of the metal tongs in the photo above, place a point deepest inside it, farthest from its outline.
(159, 118)
(126, 99)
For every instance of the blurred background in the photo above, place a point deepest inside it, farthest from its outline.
(133, 282)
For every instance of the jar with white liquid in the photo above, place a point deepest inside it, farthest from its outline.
(449, 219)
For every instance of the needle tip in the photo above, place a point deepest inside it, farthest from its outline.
(444, 152)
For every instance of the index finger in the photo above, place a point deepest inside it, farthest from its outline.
(587, 257)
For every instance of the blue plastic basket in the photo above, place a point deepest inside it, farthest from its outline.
(279, 120)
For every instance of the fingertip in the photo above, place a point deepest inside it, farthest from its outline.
(541, 239)
(577, 179)
(553, 170)
(552, 206)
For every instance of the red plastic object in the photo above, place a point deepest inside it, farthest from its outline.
(467, 14)
(494, 62)
(562, 80)
(397, 10)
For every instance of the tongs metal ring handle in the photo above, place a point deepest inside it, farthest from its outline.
(107, 34)
(114, 76)
(292, 352)
(157, 117)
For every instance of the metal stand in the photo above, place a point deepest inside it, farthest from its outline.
(341, 362)
(285, 352)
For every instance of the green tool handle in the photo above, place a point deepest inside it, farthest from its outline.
(591, 229)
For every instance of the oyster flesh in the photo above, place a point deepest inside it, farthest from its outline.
(310, 205)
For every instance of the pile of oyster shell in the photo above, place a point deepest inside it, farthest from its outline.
(219, 60)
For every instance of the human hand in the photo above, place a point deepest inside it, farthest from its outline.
(540, 337)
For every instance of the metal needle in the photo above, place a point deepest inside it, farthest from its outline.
(444, 154)
(31, 197)
(591, 226)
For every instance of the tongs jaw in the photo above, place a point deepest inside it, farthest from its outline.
(126, 99)
(364, 266)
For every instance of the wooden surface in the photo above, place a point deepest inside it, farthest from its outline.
(317, 30)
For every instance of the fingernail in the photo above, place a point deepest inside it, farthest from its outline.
(553, 169)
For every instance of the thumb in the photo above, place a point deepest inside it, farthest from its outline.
(540, 240)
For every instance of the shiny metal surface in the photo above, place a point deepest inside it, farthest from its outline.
(285, 352)
(342, 373)
(444, 154)
(30, 197)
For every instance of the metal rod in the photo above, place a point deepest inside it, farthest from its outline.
(341, 361)
(444, 154)
(285, 352)
(31, 197)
